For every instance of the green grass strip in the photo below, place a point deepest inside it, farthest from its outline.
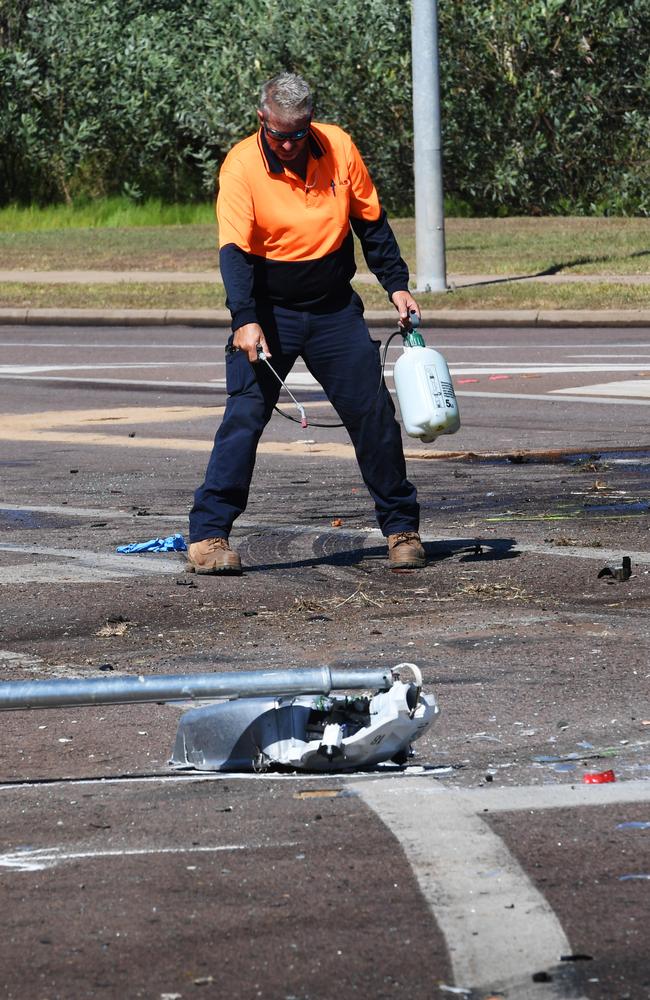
(518, 295)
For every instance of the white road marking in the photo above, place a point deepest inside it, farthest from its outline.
(498, 927)
(49, 857)
(86, 565)
(564, 796)
(549, 398)
(619, 355)
(104, 346)
(552, 368)
(212, 345)
(24, 369)
(221, 384)
(640, 389)
(126, 383)
(456, 368)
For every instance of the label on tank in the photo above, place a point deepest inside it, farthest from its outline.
(434, 386)
(450, 395)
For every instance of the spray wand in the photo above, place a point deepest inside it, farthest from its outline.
(261, 356)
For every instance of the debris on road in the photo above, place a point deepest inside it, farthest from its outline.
(306, 733)
(173, 543)
(113, 629)
(598, 777)
(620, 573)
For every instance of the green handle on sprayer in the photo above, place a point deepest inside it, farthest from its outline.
(411, 337)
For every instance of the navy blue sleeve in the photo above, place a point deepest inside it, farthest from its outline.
(237, 276)
(382, 252)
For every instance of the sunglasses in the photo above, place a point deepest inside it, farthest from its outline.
(283, 136)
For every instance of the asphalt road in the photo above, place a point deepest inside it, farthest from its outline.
(487, 867)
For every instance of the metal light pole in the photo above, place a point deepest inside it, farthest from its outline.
(429, 204)
(186, 687)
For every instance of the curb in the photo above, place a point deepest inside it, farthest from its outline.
(442, 318)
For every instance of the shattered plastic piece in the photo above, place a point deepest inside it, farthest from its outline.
(337, 523)
(173, 543)
(542, 977)
(598, 777)
(578, 957)
(634, 825)
(462, 991)
(304, 733)
(634, 878)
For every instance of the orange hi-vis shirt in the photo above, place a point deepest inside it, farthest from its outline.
(288, 241)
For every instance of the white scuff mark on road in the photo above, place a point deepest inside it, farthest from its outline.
(80, 565)
(499, 928)
(33, 860)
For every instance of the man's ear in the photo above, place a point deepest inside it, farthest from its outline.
(260, 115)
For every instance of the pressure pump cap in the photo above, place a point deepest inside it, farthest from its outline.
(411, 337)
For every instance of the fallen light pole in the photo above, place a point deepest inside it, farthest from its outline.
(188, 687)
(282, 719)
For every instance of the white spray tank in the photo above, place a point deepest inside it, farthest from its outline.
(424, 389)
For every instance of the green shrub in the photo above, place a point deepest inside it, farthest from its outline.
(546, 104)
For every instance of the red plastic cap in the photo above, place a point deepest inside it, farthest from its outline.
(598, 777)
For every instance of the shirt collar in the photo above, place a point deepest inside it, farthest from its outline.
(273, 164)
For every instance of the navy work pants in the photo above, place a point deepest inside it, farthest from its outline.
(340, 354)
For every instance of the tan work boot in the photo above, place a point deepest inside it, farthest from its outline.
(213, 555)
(405, 551)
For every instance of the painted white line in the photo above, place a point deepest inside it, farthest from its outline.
(620, 355)
(194, 777)
(552, 368)
(50, 857)
(599, 400)
(131, 383)
(627, 389)
(538, 797)
(10, 370)
(105, 346)
(499, 929)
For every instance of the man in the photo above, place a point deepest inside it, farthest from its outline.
(288, 196)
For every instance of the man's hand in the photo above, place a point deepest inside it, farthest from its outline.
(247, 338)
(405, 305)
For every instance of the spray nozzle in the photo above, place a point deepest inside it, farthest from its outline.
(411, 337)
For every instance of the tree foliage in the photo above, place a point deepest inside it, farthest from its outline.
(546, 104)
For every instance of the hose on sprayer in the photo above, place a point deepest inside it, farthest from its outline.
(414, 322)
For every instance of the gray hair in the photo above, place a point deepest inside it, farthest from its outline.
(289, 93)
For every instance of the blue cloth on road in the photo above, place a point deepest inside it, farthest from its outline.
(173, 543)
